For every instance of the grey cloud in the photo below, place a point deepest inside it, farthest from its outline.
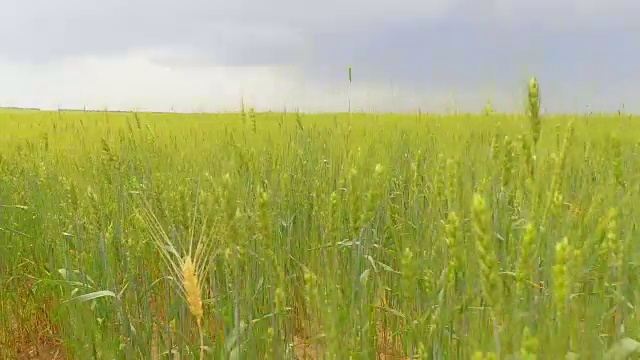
(41, 29)
(247, 32)
(565, 14)
(416, 45)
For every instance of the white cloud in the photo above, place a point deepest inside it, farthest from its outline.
(135, 81)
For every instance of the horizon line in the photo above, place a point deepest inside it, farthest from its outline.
(417, 111)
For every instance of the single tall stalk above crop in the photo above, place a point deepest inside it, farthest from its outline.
(533, 108)
(350, 72)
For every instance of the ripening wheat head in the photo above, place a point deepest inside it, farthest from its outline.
(186, 268)
(191, 287)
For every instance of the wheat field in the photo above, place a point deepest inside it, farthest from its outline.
(298, 236)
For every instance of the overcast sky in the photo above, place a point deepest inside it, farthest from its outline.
(204, 55)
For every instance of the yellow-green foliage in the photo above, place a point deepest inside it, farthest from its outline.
(343, 236)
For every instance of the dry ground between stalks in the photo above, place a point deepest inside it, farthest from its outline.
(34, 341)
(45, 347)
(41, 351)
(39, 340)
(387, 348)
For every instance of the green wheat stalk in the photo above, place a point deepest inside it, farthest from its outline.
(533, 108)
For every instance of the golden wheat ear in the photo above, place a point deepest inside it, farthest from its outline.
(191, 288)
(187, 272)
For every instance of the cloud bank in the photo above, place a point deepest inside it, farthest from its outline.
(198, 55)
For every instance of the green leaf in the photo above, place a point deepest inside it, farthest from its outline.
(75, 275)
(95, 295)
(392, 311)
(622, 349)
(388, 268)
(372, 262)
(364, 277)
(234, 354)
(231, 343)
(123, 289)
(572, 356)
